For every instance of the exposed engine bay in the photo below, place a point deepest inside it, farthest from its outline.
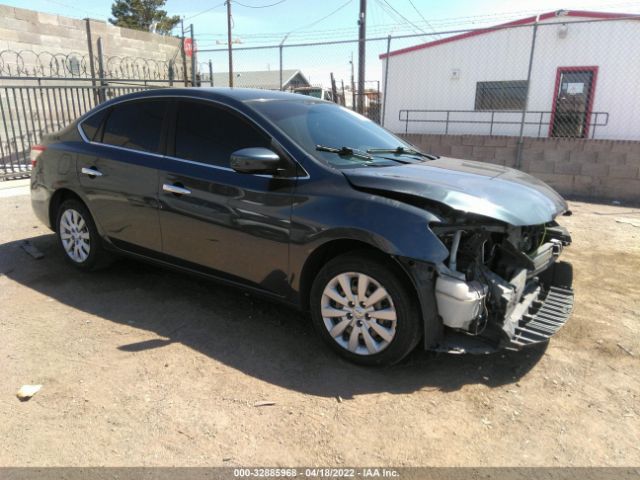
(503, 284)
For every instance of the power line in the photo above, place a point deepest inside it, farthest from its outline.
(422, 17)
(332, 33)
(207, 10)
(401, 16)
(312, 24)
(260, 6)
(280, 35)
(74, 7)
(401, 22)
(441, 24)
(447, 21)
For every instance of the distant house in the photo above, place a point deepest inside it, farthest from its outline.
(266, 79)
(584, 79)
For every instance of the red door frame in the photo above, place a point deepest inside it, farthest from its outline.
(592, 94)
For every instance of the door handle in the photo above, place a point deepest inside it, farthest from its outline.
(176, 189)
(91, 171)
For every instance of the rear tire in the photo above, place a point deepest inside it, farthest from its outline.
(377, 322)
(78, 236)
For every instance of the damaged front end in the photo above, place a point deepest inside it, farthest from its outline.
(502, 286)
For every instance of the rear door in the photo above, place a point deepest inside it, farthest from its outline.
(120, 175)
(211, 216)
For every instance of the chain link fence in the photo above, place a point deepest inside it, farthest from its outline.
(562, 74)
(561, 77)
(558, 75)
(325, 70)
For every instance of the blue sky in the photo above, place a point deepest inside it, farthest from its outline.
(294, 14)
(301, 19)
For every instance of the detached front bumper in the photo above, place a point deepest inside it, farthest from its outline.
(541, 313)
(542, 307)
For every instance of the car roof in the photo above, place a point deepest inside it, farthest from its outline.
(219, 93)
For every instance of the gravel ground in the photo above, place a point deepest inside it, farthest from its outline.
(142, 366)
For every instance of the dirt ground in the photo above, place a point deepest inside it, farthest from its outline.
(142, 366)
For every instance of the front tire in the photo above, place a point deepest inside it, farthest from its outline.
(78, 236)
(365, 310)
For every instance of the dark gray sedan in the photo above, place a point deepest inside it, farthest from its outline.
(308, 203)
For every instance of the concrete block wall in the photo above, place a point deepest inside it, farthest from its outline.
(599, 169)
(24, 30)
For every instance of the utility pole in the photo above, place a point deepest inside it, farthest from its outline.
(353, 86)
(184, 55)
(362, 36)
(229, 43)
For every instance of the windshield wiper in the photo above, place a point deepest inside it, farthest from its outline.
(345, 152)
(401, 151)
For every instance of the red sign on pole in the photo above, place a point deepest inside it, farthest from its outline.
(189, 47)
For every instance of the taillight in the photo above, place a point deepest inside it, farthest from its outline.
(36, 151)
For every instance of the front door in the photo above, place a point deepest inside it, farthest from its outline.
(572, 102)
(237, 224)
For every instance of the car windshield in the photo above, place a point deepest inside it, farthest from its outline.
(319, 124)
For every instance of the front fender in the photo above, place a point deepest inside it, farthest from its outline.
(328, 212)
(390, 225)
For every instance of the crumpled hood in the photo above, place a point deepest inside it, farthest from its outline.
(485, 189)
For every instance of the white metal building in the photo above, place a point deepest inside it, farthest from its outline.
(584, 79)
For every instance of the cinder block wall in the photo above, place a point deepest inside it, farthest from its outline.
(28, 30)
(603, 169)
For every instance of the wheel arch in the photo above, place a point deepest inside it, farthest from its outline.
(333, 248)
(57, 199)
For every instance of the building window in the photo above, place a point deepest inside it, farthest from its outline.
(509, 95)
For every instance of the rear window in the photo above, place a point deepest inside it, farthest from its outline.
(92, 124)
(135, 125)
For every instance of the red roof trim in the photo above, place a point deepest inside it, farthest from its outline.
(514, 23)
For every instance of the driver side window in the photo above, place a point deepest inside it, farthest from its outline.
(208, 134)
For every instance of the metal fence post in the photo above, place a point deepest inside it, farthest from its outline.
(518, 162)
(334, 89)
(386, 81)
(171, 73)
(102, 93)
(210, 73)
(185, 73)
(281, 47)
(280, 68)
(91, 64)
(193, 58)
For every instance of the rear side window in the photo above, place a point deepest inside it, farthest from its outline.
(208, 134)
(92, 124)
(135, 125)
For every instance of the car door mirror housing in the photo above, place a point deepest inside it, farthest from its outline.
(255, 160)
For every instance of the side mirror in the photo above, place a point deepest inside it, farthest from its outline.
(255, 160)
